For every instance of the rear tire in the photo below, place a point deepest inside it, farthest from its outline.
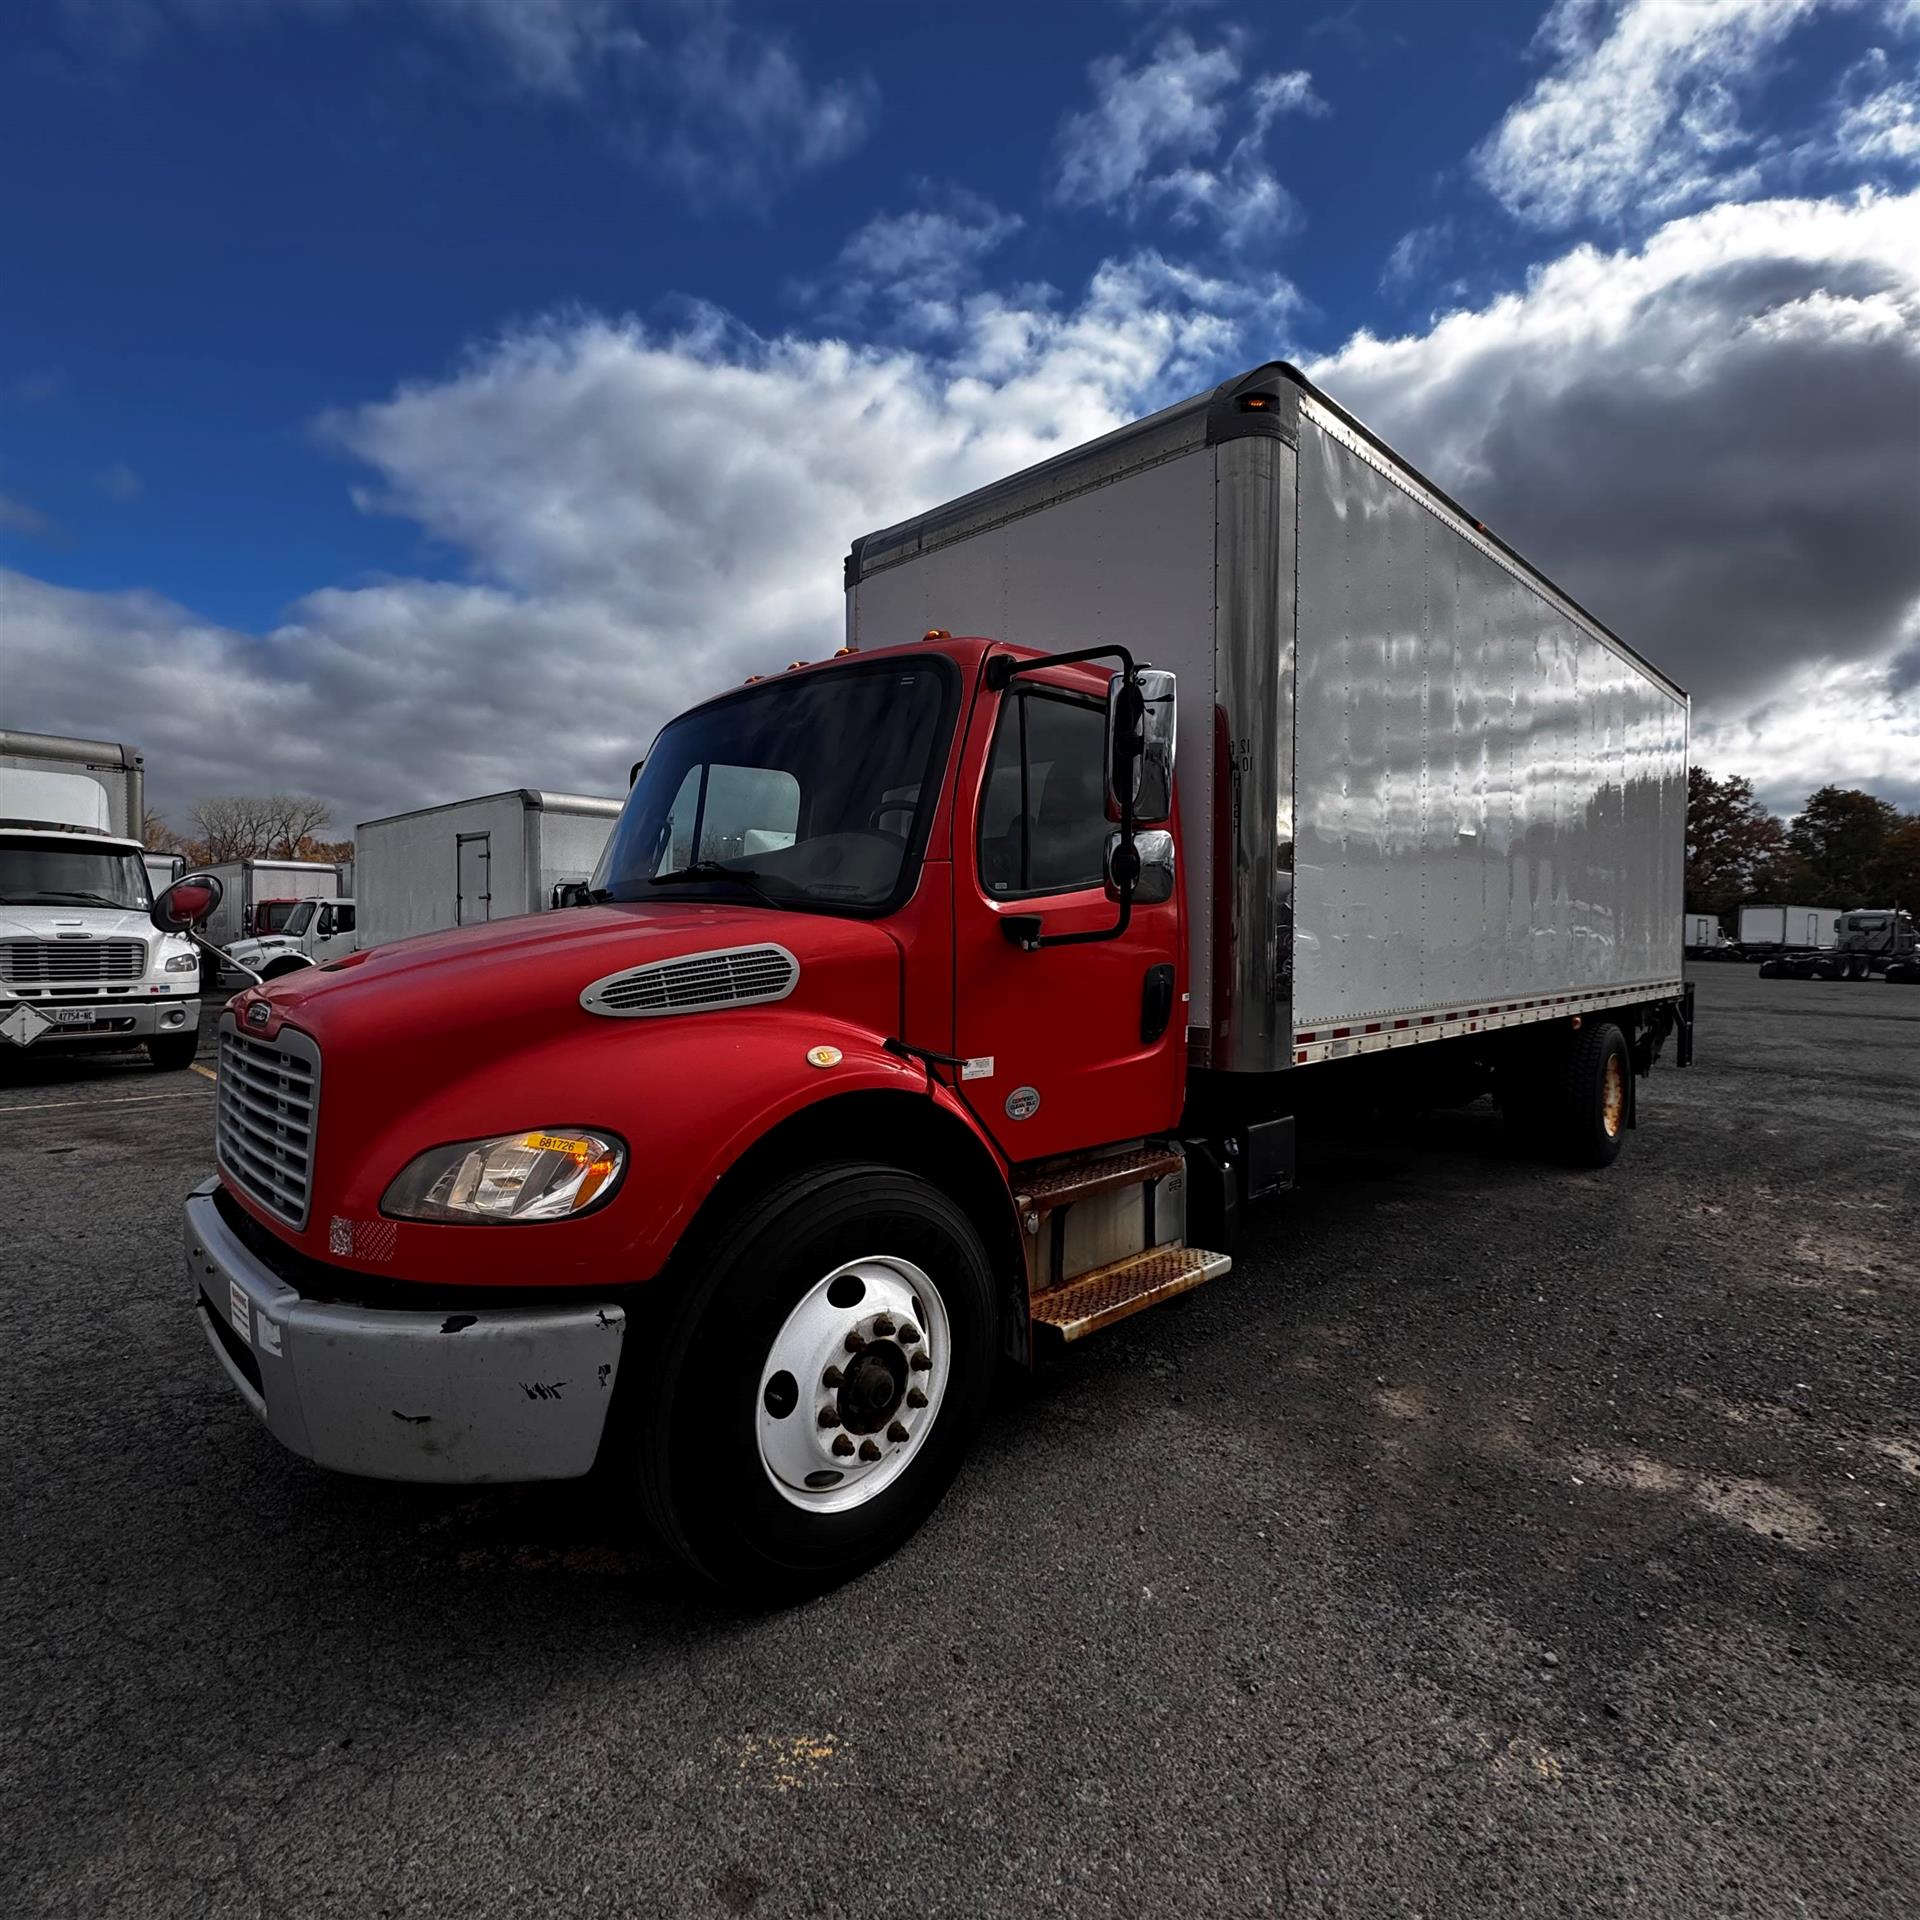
(1595, 1095)
(174, 1052)
(725, 1376)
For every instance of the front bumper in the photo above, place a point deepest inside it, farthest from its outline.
(494, 1394)
(115, 1023)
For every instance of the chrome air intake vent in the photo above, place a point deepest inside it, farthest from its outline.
(696, 983)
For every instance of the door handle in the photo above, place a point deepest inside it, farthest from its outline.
(1156, 1003)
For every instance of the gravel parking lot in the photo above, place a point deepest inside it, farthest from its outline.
(1495, 1538)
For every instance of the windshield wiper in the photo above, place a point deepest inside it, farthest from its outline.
(698, 870)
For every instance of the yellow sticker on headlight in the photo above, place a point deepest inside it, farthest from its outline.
(558, 1143)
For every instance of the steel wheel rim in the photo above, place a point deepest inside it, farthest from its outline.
(1613, 1097)
(817, 1387)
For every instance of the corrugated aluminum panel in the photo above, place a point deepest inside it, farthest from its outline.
(1489, 794)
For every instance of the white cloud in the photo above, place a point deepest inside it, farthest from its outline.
(1879, 122)
(119, 482)
(1709, 440)
(642, 519)
(1157, 134)
(20, 516)
(1414, 255)
(1639, 115)
(916, 264)
(730, 111)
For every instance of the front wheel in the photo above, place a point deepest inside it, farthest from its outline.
(811, 1400)
(173, 1052)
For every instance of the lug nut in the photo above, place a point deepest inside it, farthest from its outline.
(833, 1377)
(915, 1398)
(896, 1433)
(842, 1445)
(869, 1450)
(883, 1326)
(829, 1416)
(921, 1363)
(909, 1335)
(855, 1341)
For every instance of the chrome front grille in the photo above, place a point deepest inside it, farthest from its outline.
(55, 963)
(266, 1109)
(695, 982)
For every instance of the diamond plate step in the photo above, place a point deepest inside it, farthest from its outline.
(1098, 1299)
(1061, 1186)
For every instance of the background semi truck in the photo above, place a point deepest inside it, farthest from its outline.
(257, 896)
(81, 966)
(930, 1007)
(1865, 941)
(468, 861)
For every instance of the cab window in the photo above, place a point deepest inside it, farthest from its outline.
(1043, 821)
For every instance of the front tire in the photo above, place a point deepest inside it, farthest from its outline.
(173, 1052)
(756, 1380)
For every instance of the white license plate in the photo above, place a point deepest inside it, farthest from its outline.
(68, 1016)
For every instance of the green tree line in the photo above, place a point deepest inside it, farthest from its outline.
(1844, 848)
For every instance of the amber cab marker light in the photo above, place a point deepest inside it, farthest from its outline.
(1256, 403)
(936, 633)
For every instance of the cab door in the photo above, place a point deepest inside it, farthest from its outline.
(1070, 1047)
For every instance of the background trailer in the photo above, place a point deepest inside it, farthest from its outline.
(472, 860)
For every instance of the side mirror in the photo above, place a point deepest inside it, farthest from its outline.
(1146, 866)
(569, 893)
(1140, 733)
(188, 903)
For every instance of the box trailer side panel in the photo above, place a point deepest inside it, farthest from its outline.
(440, 867)
(1127, 561)
(566, 838)
(1489, 798)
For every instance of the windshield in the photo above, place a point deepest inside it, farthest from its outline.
(48, 873)
(297, 918)
(818, 788)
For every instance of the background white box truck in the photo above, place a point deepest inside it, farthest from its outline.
(469, 861)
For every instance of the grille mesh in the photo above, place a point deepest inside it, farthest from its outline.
(268, 1102)
(46, 963)
(696, 982)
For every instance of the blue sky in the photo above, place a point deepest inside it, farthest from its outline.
(358, 361)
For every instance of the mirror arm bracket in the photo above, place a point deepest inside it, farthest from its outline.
(220, 953)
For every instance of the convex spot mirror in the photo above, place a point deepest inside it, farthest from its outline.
(1148, 863)
(186, 904)
(1140, 726)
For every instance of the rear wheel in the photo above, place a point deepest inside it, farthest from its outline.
(173, 1052)
(1595, 1095)
(813, 1396)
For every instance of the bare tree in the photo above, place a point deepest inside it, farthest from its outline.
(293, 820)
(156, 836)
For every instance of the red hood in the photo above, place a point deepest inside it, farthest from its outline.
(532, 969)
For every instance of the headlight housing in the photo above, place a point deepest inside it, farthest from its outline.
(546, 1173)
(183, 963)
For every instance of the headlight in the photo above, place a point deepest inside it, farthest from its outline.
(543, 1175)
(184, 963)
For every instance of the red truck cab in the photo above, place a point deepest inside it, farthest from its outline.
(863, 1068)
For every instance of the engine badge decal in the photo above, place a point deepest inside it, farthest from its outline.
(1023, 1103)
(823, 1056)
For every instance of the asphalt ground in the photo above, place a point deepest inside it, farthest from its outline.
(1494, 1539)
